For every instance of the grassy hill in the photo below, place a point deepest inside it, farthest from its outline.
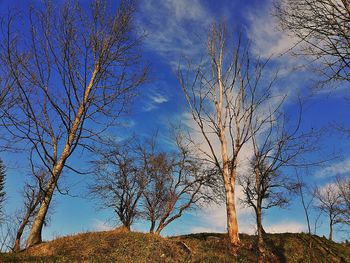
(121, 246)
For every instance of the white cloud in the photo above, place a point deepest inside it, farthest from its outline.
(339, 168)
(154, 100)
(99, 225)
(174, 27)
(285, 226)
(213, 218)
(268, 41)
(159, 99)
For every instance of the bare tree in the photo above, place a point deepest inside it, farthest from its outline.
(322, 27)
(263, 189)
(307, 201)
(33, 193)
(6, 100)
(177, 182)
(224, 96)
(136, 179)
(7, 234)
(119, 181)
(343, 185)
(329, 202)
(73, 72)
(303, 191)
(276, 145)
(156, 195)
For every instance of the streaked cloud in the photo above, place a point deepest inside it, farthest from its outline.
(174, 27)
(154, 99)
(159, 99)
(267, 40)
(339, 168)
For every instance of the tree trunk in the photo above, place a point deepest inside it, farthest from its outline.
(228, 176)
(161, 225)
(35, 232)
(232, 226)
(17, 244)
(261, 245)
(159, 229)
(153, 225)
(308, 221)
(331, 230)
(230, 183)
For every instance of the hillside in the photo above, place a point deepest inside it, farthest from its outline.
(121, 246)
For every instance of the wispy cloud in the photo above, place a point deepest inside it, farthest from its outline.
(269, 42)
(263, 31)
(159, 99)
(174, 27)
(339, 168)
(154, 99)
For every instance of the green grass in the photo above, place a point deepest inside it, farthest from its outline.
(122, 246)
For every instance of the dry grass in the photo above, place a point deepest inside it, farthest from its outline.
(123, 246)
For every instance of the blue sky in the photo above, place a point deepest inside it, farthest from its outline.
(177, 29)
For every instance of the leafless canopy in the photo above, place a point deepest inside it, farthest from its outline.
(119, 181)
(69, 68)
(33, 193)
(137, 180)
(73, 72)
(276, 146)
(323, 28)
(177, 182)
(343, 185)
(226, 94)
(329, 202)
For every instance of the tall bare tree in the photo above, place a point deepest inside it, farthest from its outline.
(72, 71)
(322, 27)
(224, 96)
